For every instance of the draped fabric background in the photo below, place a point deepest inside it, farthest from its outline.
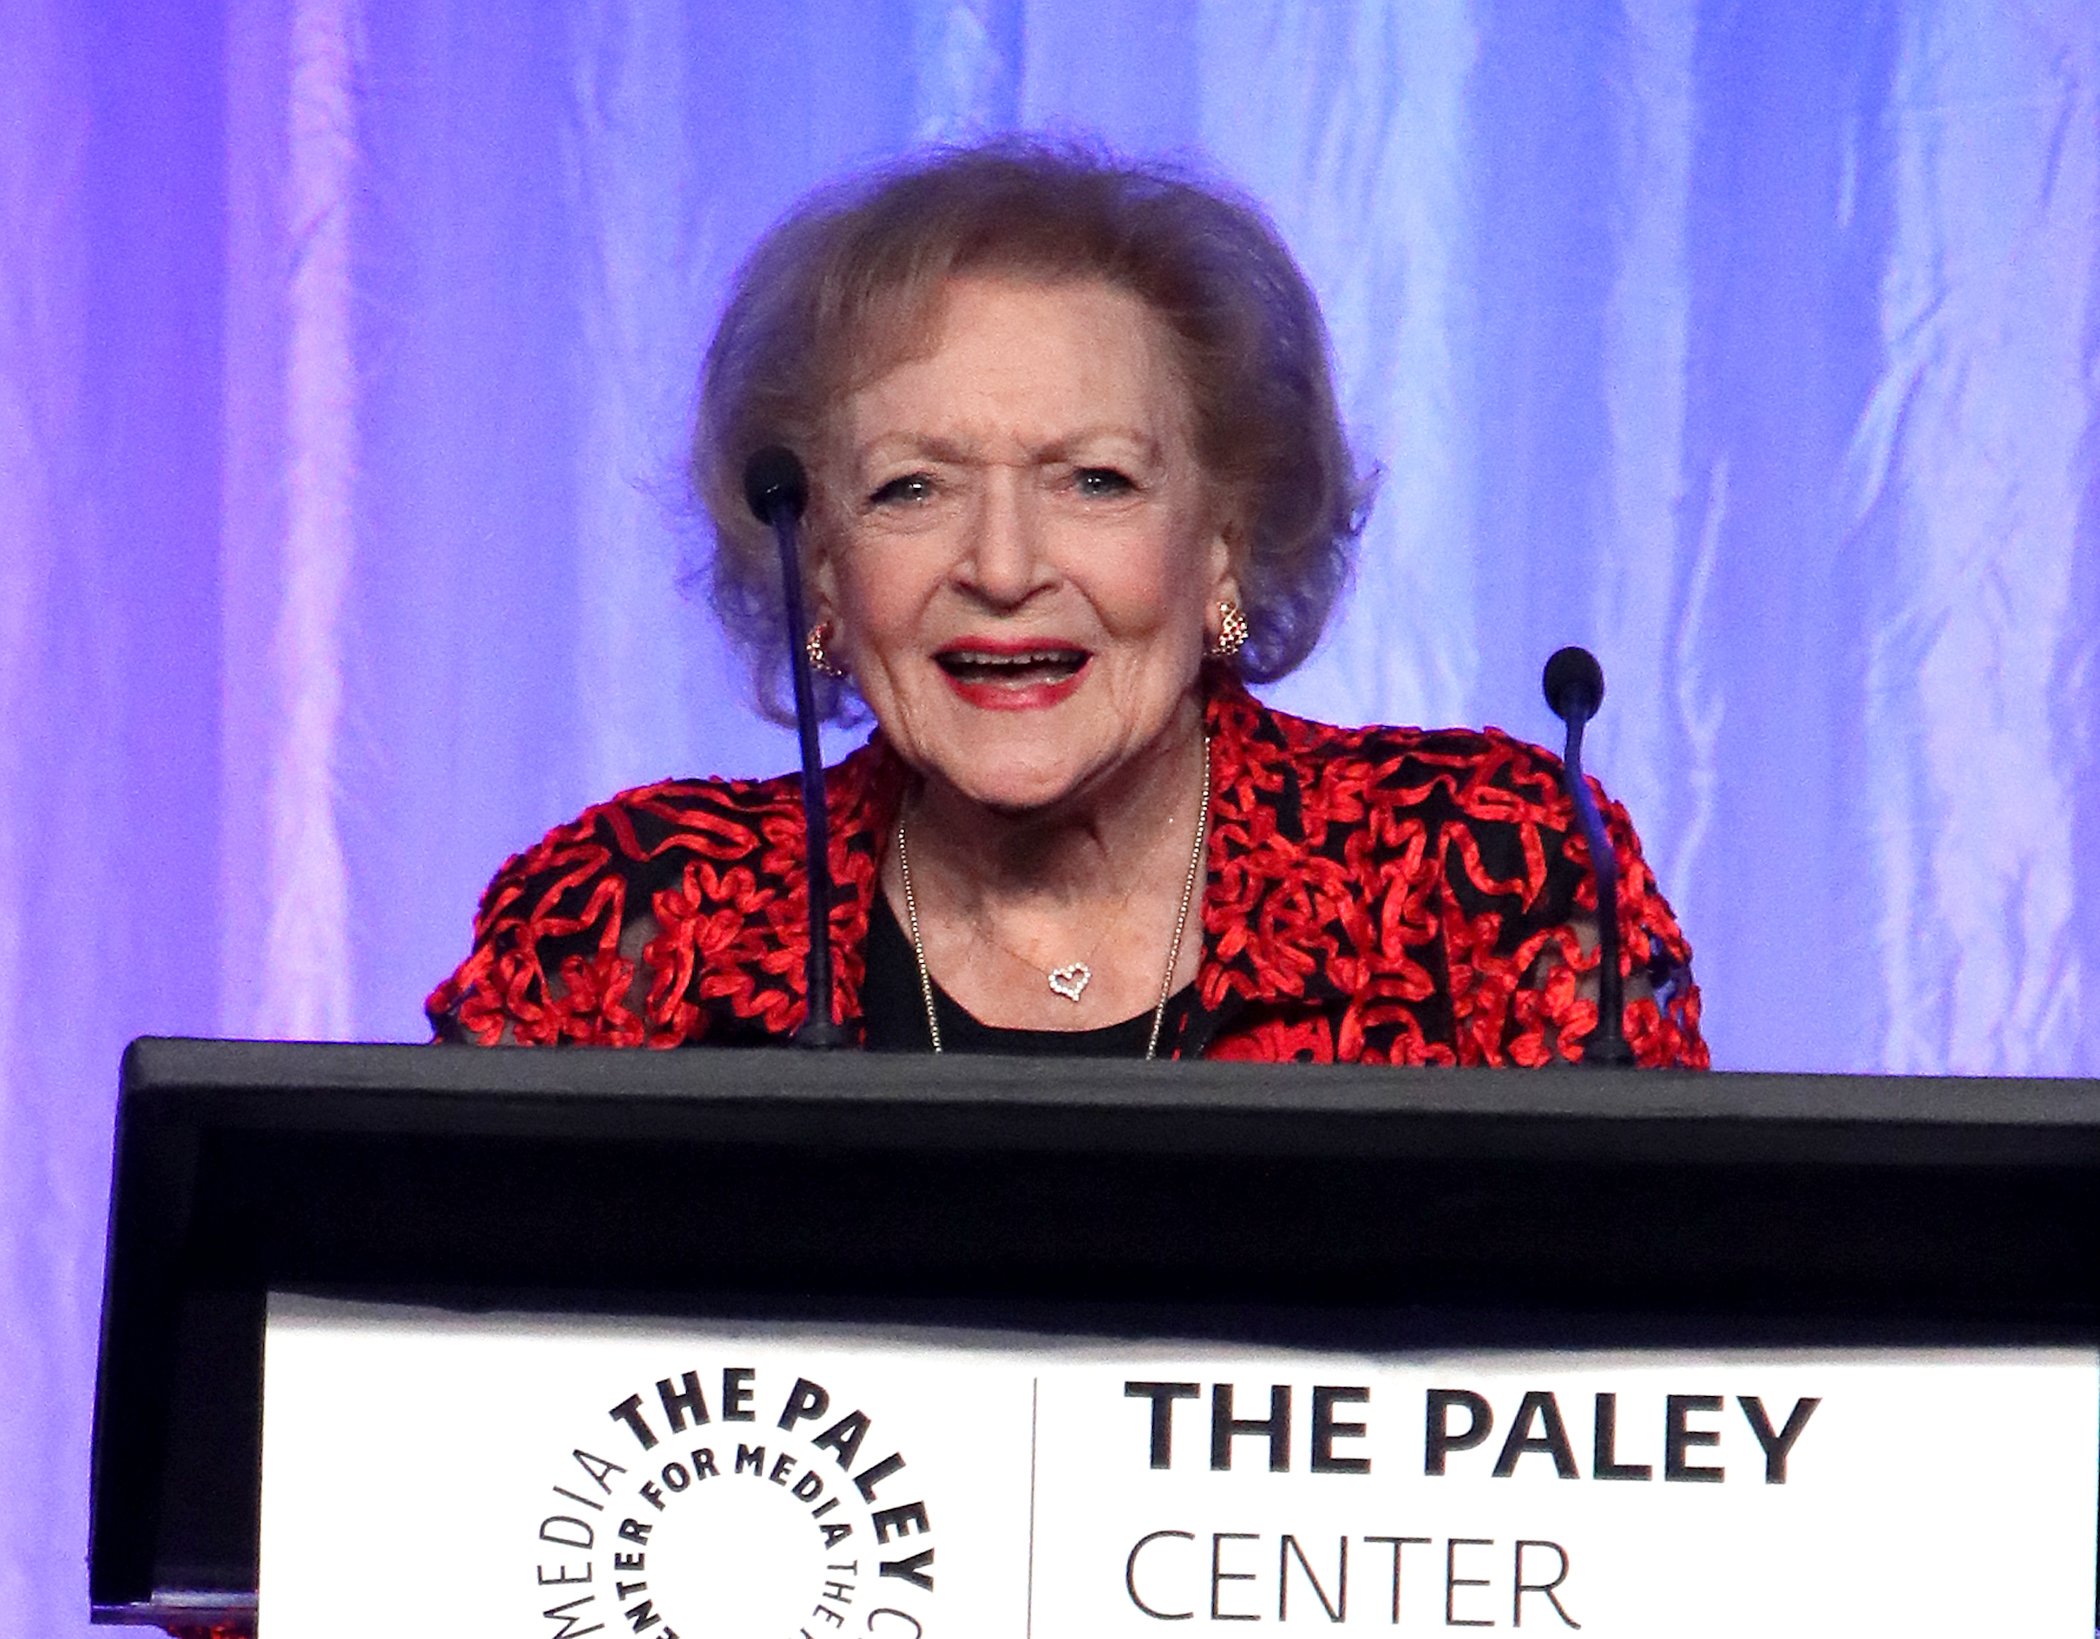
(344, 350)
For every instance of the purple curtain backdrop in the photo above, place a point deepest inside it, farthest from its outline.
(344, 351)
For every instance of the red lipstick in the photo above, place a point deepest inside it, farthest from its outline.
(1013, 673)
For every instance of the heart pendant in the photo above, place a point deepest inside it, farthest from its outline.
(1070, 980)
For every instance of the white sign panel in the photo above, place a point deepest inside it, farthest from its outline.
(555, 1478)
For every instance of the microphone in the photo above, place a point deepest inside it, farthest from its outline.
(774, 482)
(777, 491)
(1574, 684)
(1574, 688)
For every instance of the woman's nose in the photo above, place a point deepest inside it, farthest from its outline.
(1004, 560)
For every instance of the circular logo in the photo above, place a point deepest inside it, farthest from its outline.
(736, 1502)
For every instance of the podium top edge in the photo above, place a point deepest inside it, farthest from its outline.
(159, 1067)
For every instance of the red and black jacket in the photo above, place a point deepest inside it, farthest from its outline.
(1375, 895)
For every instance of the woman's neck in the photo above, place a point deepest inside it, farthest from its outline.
(1011, 906)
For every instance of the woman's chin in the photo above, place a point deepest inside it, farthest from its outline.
(1054, 760)
(1013, 791)
(1017, 774)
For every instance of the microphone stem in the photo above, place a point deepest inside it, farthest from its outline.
(818, 1029)
(1607, 1043)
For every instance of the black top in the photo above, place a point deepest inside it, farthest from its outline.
(894, 1012)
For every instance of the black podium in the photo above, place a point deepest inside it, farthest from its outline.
(1258, 1204)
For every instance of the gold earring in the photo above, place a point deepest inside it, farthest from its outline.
(813, 646)
(1232, 631)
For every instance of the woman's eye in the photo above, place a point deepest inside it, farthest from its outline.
(1101, 481)
(905, 491)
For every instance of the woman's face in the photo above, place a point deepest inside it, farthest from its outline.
(1019, 551)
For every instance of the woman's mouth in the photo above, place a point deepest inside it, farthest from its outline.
(1013, 676)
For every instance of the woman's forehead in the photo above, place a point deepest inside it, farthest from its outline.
(1083, 351)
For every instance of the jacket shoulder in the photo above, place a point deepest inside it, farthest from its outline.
(626, 832)
(560, 927)
(1406, 763)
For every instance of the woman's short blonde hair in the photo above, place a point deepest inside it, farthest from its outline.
(848, 283)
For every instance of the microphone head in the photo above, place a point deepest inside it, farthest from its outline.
(1574, 683)
(775, 484)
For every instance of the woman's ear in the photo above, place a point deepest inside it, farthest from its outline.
(1227, 558)
(822, 576)
(822, 641)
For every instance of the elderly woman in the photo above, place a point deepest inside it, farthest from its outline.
(1077, 477)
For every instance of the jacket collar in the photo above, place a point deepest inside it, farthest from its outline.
(1260, 921)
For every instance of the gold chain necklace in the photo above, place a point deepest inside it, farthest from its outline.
(1181, 923)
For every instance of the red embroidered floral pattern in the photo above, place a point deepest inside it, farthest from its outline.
(1374, 895)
